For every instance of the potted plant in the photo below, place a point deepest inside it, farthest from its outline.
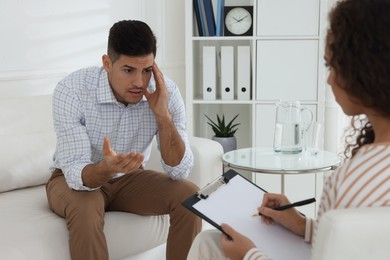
(224, 132)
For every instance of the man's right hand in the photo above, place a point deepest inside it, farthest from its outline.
(124, 163)
(95, 175)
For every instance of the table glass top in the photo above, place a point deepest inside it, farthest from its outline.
(264, 159)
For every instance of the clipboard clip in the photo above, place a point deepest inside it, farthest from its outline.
(211, 187)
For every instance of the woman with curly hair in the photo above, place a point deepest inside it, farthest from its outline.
(357, 54)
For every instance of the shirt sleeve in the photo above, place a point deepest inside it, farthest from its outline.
(255, 254)
(73, 151)
(177, 110)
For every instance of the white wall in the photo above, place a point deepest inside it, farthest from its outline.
(335, 123)
(335, 119)
(43, 40)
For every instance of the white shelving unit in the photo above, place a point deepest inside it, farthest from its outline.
(286, 63)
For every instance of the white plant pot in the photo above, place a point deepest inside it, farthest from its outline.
(228, 143)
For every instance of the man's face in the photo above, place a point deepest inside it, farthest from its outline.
(129, 76)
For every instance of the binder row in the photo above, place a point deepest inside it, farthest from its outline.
(209, 24)
(235, 74)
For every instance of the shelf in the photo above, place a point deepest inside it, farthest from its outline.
(286, 62)
(243, 38)
(221, 38)
(201, 101)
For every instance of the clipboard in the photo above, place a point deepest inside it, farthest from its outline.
(232, 199)
(208, 191)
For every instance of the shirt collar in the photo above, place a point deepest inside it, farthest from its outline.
(104, 91)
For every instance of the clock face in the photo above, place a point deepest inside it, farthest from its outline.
(238, 21)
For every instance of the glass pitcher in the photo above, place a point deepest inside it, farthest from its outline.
(291, 126)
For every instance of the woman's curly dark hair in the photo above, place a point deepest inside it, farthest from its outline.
(358, 41)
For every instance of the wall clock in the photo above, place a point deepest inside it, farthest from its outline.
(238, 20)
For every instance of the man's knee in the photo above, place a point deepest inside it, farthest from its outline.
(86, 205)
(187, 188)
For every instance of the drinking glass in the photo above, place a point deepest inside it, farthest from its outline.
(314, 140)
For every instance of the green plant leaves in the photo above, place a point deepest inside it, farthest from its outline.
(221, 129)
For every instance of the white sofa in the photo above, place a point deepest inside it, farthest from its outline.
(30, 230)
(354, 234)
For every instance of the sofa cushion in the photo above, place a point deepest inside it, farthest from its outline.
(27, 141)
(26, 212)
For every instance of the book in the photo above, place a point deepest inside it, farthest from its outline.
(220, 20)
(210, 20)
(202, 16)
(198, 18)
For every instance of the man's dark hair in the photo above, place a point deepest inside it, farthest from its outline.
(130, 38)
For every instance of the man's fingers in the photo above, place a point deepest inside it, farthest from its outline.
(133, 161)
(121, 162)
(157, 72)
(158, 76)
(107, 151)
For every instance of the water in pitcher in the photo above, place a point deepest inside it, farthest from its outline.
(287, 138)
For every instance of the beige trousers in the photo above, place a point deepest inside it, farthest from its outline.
(206, 246)
(143, 192)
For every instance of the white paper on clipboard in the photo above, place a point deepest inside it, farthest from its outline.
(235, 202)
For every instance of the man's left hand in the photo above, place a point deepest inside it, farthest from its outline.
(158, 100)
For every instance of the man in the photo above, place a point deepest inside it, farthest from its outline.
(105, 120)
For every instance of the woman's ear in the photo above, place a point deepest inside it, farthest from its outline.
(107, 64)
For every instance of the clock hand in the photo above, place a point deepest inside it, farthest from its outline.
(242, 18)
(235, 19)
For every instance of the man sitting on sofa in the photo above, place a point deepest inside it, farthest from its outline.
(105, 119)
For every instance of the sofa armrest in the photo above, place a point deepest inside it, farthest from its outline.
(207, 160)
(354, 233)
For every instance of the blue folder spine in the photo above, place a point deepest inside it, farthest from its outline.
(198, 18)
(220, 17)
(208, 8)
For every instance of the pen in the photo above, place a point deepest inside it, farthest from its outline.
(296, 204)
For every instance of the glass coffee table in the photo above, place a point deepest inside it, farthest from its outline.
(264, 160)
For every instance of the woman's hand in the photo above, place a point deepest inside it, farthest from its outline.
(289, 218)
(235, 246)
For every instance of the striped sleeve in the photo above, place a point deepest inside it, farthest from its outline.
(366, 183)
(363, 181)
(255, 254)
